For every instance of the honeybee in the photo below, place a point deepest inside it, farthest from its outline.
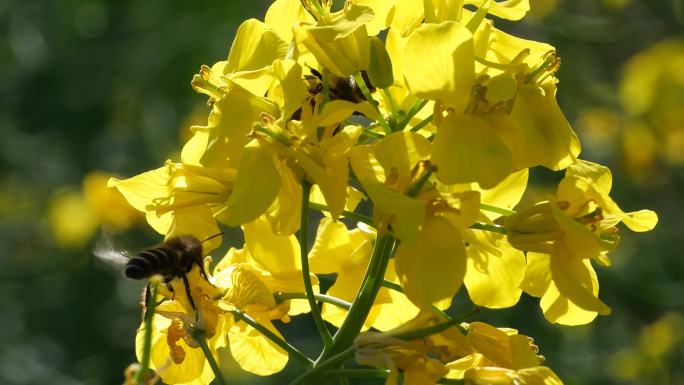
(172, 259)
(339, 88)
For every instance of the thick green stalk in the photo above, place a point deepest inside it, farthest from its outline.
(331, 363)
(304, 251)
(361, 306)
(299, 356)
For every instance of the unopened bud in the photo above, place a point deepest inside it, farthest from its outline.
(380, 68)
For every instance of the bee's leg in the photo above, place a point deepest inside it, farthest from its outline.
(169, 286)
(201, 267)
(187, 291)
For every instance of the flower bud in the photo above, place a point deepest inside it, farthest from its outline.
(341, 45)
(380, 68)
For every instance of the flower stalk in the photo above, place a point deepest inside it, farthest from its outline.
(304, 252)
(150, 304)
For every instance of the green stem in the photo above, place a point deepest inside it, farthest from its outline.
(489, 227)
(495, 209)
(417, 106)
(415, 188)
(361, 306)
(370, 133)
(358, 78)
(276, 137)
(422, 123)
(304, 252)
(150, 304)
(199, 336)
(390, 100)
(342, 304)
(347, 214)
(299, 356)
(318, 370)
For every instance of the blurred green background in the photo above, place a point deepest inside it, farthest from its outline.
(105, 85)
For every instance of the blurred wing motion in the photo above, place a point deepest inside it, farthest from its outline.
(105, 251)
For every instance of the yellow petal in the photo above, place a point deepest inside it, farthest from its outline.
(537, 274)
(538, 375)
(255, 46)
(404, 213)
(506, 194)
(550, 140)
(559, 309)
(254, 352)
(255, 188)
(579, 241)
(293, 90)
(331, 178)
(513, 351)
(229, 124)
(365, 165)
(342, 46)
(408, 15)
(194, 366)
(507, 9)
(442, 63)
(141, 190)
(278, 254)
(466, 149)
(402, 151)
(391, 308)
(642, 220)
(336, 111)
(599, 175)
(285, 212)
(431, 268)
(576, 279)
(283, 15)
(458, 368)
(383, 11)
(493, 281)
(331, 248)
(194, 149)
(556, 307)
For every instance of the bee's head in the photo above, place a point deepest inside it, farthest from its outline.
(189, 249)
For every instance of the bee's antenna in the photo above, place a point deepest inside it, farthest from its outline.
(214, 236)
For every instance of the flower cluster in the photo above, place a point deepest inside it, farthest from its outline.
(432, 116)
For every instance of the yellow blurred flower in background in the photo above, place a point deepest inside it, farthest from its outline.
(75, 216)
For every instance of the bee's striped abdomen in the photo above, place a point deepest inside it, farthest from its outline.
(147, 263)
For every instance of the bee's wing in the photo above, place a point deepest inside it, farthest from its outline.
(105, 251)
